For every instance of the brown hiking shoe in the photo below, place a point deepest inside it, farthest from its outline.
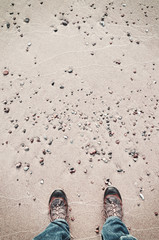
(113, 203)
(58, 205)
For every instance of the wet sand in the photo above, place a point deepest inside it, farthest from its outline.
(79, 111)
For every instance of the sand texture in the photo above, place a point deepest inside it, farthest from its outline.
(79, 99)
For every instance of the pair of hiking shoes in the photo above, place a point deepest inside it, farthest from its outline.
(58, 204)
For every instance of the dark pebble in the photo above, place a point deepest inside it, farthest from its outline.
(18, 165)
(6, 110)
(5, 72)
(26, 20)
(72, 170)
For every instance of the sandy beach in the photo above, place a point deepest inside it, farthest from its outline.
(79, 99)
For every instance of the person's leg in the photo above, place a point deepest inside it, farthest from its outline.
(58, 229)
(114, 228)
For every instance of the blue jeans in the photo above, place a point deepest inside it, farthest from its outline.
(113, 229)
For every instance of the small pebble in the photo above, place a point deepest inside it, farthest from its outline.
(8, 25)
(18, 165)
(119, 170)
(6, 110)
(26, 20)
(97, 230)
(50, 141)
(156, 214)
(65, 23)
(72, 170)
(72, 219)
(41, 181)
(26, 149)
(26, 168)
(5, 72)
(70, 70)
(41, 161)
(117, 141)
(16, 126)
(141, 196)
(102, 23)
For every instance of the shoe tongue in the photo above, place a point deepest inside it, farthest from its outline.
(57, 201)
(114, 199)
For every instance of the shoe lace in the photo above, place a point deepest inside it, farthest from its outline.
(113, 207)
(58, 209)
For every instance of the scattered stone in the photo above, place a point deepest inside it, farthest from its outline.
(141, 196)
(70, 70)
(41, 161)
(8, 25)
(97, 230)
(27, 118)
(5, 102)
(6, 110)
(102, 23)
(104, 160)
(72, 219)
(50, 141)
(65, 22)
(44, 152)
(108, 182)
(42, 181)
(18, 165)
(72, 170)
(5, 72)
(16, 126)
(26, 149)
(156, 214)
(55, 29)
(118, 62)
(120, 170)
(92, 151)
(26, 20)
(26, 168)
